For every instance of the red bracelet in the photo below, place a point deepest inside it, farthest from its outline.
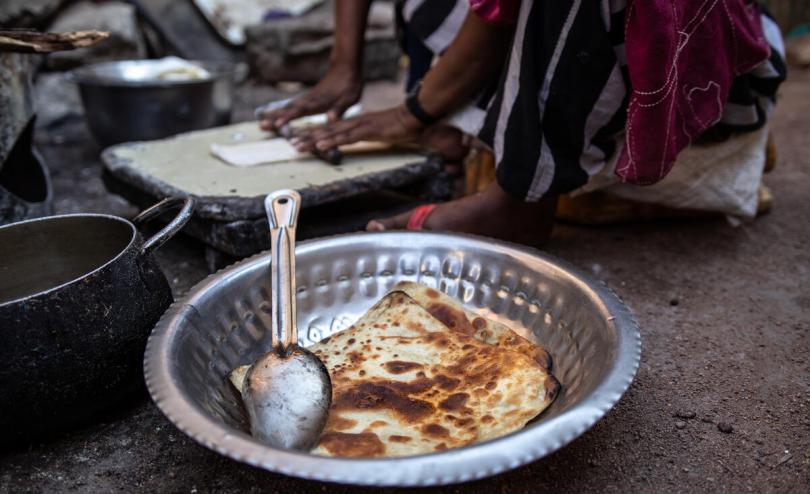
(419, 216)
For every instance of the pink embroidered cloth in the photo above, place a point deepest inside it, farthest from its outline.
(682, 56)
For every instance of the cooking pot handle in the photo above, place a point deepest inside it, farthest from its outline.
(173, 227)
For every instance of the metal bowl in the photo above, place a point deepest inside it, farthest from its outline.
(223, 322)
(125, 101)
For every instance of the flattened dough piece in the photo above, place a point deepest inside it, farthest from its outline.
(258, 152)
(279, 150)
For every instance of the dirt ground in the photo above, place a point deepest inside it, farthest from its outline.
(725, 320)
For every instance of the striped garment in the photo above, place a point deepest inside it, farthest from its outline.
(434, 22)
(560, 108)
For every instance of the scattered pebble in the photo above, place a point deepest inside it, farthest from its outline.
(685, 414)
(784, 459)
(725, 427)
(680, 424)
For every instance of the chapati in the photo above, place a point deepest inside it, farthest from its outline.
(409, 379)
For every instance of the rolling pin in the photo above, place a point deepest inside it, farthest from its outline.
(332, 156)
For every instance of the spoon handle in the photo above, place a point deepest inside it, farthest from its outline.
(282, 209)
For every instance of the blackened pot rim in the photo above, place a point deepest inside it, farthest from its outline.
(116, 257)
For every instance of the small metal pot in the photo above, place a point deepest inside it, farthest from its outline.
(79, 294)
(122, 106)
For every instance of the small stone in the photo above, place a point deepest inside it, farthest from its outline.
(674, 302)
(680, 424)
(725, 427)
(785, 458)
(685, 414)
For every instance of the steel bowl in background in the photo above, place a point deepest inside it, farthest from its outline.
(125, 101)
(79, 294)
(224, 322)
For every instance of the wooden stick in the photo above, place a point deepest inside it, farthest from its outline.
(24, 41)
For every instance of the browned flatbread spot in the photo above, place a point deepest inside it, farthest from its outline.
(364, 444)
(454, 401)
(400, 367)
(339, 423)
(381, 395)
(435, 430)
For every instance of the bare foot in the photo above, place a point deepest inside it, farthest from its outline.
(492, 213)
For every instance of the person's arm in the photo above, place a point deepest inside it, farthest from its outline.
(343, 83)
(351, 18)
(468, 63)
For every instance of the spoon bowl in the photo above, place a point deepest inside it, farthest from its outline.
(286, 398)
(287, 391)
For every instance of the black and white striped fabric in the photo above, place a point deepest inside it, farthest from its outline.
(753, 95)
(561, 103)
(435, 22)
(562, 99)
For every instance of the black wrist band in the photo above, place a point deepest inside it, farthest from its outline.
(413, 106)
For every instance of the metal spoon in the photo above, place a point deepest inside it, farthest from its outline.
(287, 391)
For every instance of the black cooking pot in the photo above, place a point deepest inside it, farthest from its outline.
(79, 294)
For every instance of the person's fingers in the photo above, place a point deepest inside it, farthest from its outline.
(336, 134)
(335, 130)
(375, 226)
(346, 132)
(398, 222)
(339, 108)
(276, 119)
(304, 139)
(303, 143)
(333, 115)
(310, 103)
(349, 136)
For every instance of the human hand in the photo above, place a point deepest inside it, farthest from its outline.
(337, 91)
(394, 125)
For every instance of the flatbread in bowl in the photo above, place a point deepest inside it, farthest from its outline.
(419, 374)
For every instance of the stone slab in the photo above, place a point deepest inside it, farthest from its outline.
(184, 165)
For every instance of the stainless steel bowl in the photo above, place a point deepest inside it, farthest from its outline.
(122, 102)
(223, 322)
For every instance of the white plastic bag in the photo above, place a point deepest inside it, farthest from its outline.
(721, 177)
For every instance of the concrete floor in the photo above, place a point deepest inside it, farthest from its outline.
(725, 320)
